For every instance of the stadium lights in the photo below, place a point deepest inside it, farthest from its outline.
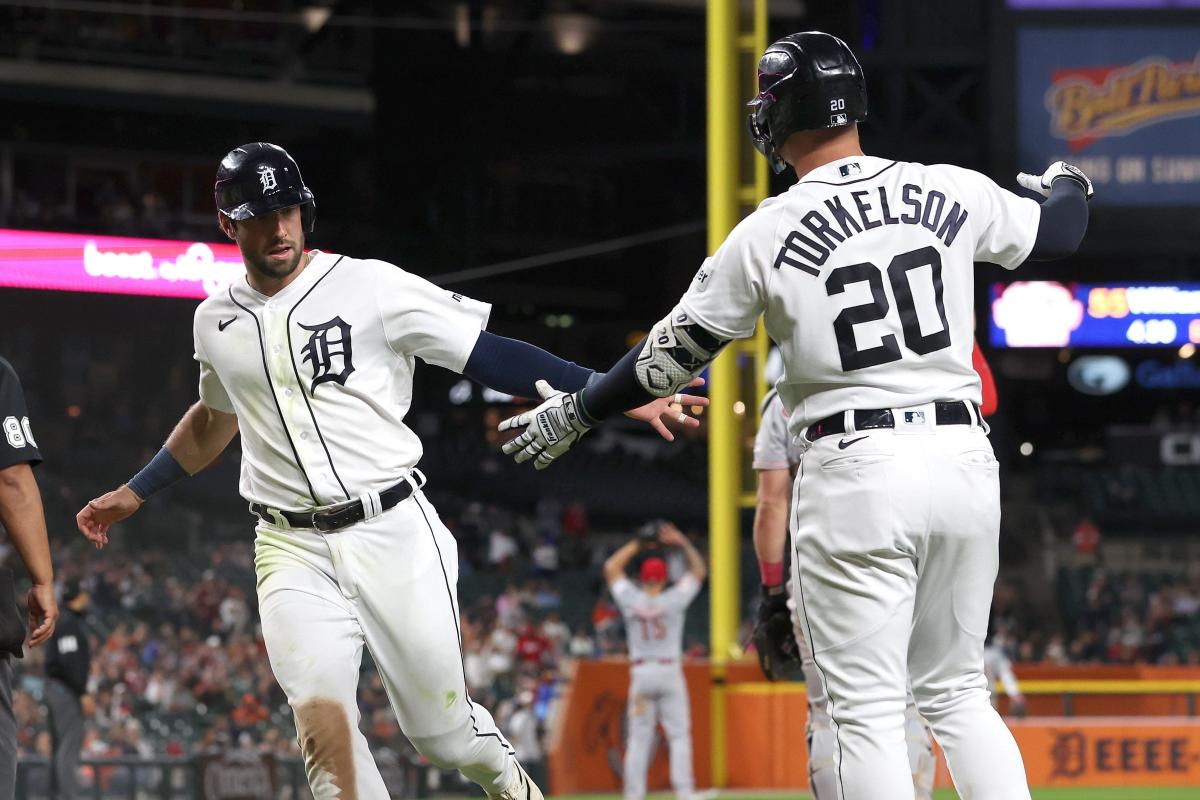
(572, 32)
(314, 17)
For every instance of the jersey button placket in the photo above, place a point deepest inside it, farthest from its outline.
(294, 412)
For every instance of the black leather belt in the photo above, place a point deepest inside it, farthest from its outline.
(332, 518)
(956, 413)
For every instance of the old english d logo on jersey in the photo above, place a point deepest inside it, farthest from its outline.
(328, 350)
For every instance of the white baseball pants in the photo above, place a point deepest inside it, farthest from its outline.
(820, 738)
(658, 693)
(895, 540)
(389, 584)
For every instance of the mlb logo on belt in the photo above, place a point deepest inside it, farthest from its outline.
(914, 417)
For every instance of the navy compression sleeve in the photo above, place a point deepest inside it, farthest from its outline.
(617, 390)
(1063, 223)
(512, 366)
(162, 471)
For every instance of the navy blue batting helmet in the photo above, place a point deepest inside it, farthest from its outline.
(259, 178)
(806, 81)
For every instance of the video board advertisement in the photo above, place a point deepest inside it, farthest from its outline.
(1052, 314)
(1110, 5)
(76, 262)
(1123, 103)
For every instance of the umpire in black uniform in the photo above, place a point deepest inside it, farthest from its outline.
(21, 513)
(68, 661)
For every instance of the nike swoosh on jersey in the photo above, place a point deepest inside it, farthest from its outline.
(223, 324)
(844, 443)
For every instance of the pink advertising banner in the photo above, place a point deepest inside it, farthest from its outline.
(73, 262)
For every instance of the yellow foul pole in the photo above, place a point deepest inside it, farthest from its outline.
(734, 184)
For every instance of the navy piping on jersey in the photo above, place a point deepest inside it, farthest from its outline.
(303, 391)
(262, 346)
(812, 646)
(856, 180)
(458, 634)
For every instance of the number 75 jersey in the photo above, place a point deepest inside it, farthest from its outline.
(864, 270)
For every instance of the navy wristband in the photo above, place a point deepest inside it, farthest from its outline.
(162, 471)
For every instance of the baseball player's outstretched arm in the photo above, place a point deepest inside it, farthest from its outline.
(614, 566)
(1064, 215)
(673, 537)
(198, 438)
(514, 367)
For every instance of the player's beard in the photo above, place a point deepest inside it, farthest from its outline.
(269, 268)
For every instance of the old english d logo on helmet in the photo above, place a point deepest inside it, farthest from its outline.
(259, 178)
(806, 81)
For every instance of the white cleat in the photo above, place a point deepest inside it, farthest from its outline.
(520, 788)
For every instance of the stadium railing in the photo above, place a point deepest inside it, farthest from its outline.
(206, 777)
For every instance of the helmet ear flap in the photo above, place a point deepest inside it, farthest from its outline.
(760, 135)
(308, 216)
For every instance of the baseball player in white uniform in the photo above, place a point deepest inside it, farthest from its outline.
(654, 617)
(864, 270)
(998, 668)
(311, 358)
(776, 461)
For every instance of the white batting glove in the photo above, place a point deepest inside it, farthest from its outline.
(550, 429)
(1042, 184)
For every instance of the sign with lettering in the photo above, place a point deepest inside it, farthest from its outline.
(1053, 314)
(76, 262)
(1137, 751)
(1122, 103)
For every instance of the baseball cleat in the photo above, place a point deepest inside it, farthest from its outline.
(520, 788)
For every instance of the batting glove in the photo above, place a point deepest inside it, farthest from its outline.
(550, 429)
(1042, 184)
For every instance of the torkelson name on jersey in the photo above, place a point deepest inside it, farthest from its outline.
(855, 212)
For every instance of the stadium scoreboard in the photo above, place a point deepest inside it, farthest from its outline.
(1112, 315)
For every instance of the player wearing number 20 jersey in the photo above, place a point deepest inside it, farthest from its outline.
(863, 271)
(865, 267)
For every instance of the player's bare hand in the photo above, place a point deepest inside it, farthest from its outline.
(550, 429)
(43, 613)
(100, 514)
(671, 536)
(670, 409)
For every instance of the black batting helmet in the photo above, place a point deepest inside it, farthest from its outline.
(258, 178)
(806, 81)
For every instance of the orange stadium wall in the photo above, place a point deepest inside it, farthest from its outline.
(1111, 740)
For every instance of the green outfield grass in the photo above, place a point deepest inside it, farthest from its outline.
(1116, 793)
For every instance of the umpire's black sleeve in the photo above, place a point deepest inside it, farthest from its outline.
(17, 445)
(1064, 222)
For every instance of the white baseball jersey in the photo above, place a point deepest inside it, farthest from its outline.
(860, 327)
(775, 447)
(320, 374)
(654, 623)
